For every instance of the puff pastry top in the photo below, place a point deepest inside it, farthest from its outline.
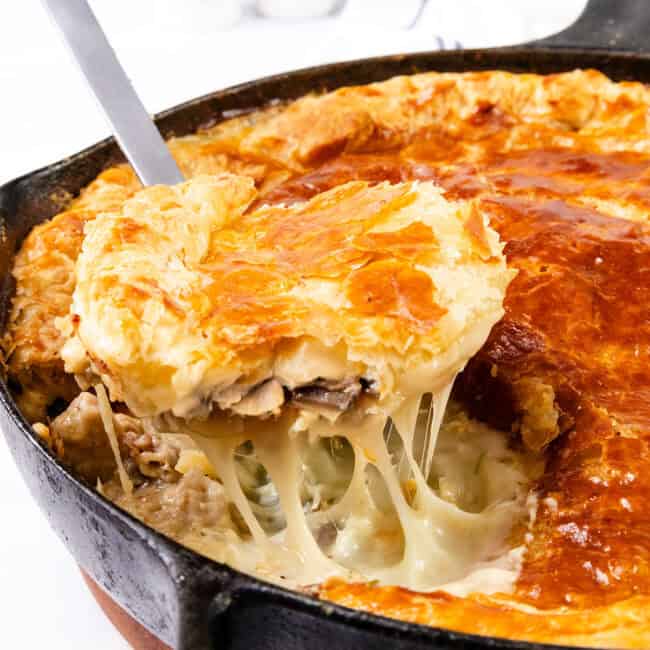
(182, 293)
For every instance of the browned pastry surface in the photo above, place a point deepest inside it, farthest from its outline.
(562, 164)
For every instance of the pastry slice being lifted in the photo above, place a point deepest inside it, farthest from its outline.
(187, 304)
(235, 323)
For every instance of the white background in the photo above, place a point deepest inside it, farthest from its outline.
(175, 50)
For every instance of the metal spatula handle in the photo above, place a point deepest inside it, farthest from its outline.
(134, 129)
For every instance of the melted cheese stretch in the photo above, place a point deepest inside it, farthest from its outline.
(386, 524)
(106, 414)
(397, 291)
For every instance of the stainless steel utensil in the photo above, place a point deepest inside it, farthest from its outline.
(134, 129)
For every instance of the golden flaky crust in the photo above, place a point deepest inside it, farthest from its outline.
(183, 291)
(45, 279)
(620, 625)
(562, 164)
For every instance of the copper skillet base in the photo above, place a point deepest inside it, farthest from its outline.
(136, 635)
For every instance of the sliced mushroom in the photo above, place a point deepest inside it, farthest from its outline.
(335, 395)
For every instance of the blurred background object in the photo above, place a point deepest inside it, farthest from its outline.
(200, 15)
(383, 13)
(293, 9)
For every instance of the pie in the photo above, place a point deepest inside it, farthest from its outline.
(244, 361)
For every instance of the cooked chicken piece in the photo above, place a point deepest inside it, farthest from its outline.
(194, 504)
(265, 399)
(80, 436)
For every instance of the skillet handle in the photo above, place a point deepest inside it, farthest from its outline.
(606, 25)
(250, 615)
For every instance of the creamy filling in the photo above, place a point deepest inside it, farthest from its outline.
(386, 501)
(363, 509)
(305, 374)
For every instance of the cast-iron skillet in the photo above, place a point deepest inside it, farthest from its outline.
(184, 599)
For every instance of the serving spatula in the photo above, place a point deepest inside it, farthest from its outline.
(134, 129)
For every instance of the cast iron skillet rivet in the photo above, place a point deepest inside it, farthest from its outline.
(216, 612)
